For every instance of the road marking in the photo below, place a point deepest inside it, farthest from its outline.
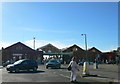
(100, 79)
(65, 76)
(116, 80)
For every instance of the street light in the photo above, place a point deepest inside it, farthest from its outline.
(85, 66)
(34, 43)
(86, 59)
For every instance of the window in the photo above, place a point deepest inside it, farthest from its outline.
(25, 63)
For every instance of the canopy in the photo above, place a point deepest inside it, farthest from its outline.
(49, 53)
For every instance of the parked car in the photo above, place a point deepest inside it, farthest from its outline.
(91, 63)
(53, 64)
(111, 62)
(6, 63)
(59, 60)
(24, 64)
(81, 63)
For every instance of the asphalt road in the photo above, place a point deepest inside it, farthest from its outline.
(105, 73)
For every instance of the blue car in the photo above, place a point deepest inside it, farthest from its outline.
(53, 64)
(81, 63)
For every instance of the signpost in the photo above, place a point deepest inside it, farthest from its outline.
(86, 64)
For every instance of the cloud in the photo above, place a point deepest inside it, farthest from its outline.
(5, 44)
(43, 30)
(111, 48)
(40, 43)
(58, 44)
(31, 29)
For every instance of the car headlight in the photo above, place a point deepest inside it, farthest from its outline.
(8, 66)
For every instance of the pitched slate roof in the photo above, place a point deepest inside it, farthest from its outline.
(18, 43)
(72, 47)
(93, 49)
(49, 47)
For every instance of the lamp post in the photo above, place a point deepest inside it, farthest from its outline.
(86, 59)
(34, 43)
(85, 66)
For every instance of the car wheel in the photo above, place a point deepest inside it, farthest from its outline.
(59, 67)
(46, 67)
(11, 71)
(17, 70)
(34, 69)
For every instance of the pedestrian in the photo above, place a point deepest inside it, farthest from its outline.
(74, 69)
(117, 60)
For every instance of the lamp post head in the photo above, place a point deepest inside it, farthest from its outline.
(83, 34)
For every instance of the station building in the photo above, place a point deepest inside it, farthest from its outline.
(78, 53)
(20, 51)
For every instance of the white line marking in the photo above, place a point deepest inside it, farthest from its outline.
(65, 76)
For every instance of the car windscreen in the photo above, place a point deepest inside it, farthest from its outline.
(18, 62)
(55, 61)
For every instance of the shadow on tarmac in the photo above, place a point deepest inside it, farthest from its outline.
(59, 83)
(93, 83)
(57, 68)
(94, 76)
(27, 72)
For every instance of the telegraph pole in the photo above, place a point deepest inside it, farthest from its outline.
(34, 43)
(86, 65)
(86, 58)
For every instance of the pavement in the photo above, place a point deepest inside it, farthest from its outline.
(1, 67)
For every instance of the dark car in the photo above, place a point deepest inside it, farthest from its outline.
(91, 62)
(24, 64)
(111, 62)
(53, 64)
(6, 63)
(81, 63)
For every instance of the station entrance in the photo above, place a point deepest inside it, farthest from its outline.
(60, 56)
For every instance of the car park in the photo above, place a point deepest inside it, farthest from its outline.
(53, 64)
(24, 64)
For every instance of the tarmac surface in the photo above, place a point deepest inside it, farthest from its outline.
(105, 73)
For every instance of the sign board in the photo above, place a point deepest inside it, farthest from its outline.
(17, 54)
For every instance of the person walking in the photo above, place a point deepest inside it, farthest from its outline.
(74, 69)
(117, 60)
